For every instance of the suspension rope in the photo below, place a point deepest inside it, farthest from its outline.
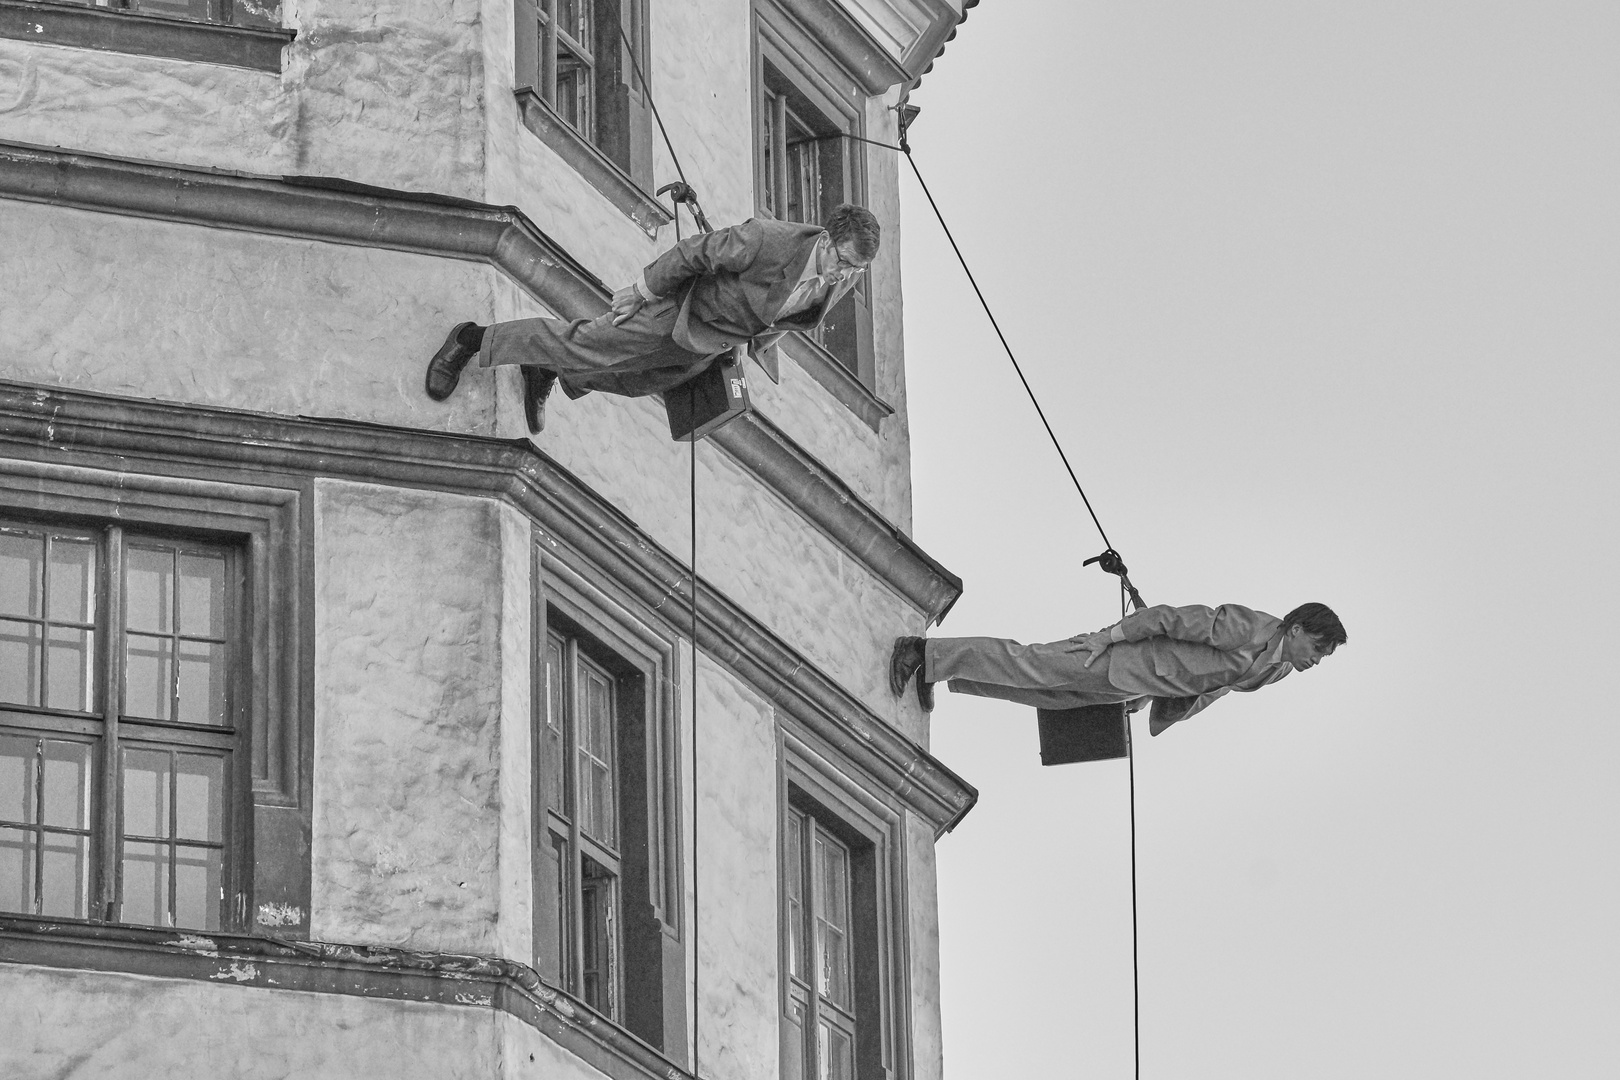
(697, 959)
(635, 65)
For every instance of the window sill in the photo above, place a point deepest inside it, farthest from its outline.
(144, 35)
(837, 379)
(589, 162)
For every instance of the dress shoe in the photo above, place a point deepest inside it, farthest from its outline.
(906, 661)
(537, 384)
(444, 370)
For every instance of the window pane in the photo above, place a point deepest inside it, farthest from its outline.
(793, 870)
(556, 797)
(67, 784)
(194, 10)
(831, 899)
(73, 580)
(596, 796)
(16, 870)
(202, 595)
(65, 890)
(202, 682)
(19, 662)
(795, 1051)
(837, 1054)
(199, 793)
(197, 881)
(149, 590)
(146, 884)
(599, 904)
(146, 793)
(17, 758)
(565, 910)
(70, 662)
(148, 676)
(22, 561)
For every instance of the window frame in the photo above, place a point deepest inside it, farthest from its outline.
(617, 159)
(268, 869)
(788, 60)
(650, 980)
(811, 784)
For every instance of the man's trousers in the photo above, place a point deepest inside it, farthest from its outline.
(633, 360)
(1050, 676)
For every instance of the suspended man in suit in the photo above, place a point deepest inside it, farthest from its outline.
(744, 285)
(1179, 658)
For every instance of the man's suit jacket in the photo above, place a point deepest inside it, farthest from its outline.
(732, 283)
(1187, 657)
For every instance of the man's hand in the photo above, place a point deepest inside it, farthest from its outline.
(1095, 644)
(626, 302)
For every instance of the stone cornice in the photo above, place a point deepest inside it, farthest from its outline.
(70, 426)
(342, 212)
(450, 979)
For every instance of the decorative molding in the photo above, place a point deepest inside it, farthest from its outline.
(110, 30)
(451, 979)
(603, 175)
(82, 428)
(338, 211)
(849, 42)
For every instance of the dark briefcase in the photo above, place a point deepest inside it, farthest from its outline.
(708, 400)
(1089, 733)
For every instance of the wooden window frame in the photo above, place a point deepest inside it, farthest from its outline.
(649, 985)
(613, 149)
(813, 785)
(792, 69)
(267, 865)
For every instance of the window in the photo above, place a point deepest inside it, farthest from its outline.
(237, 33)
(843, 920)
(819, 1040)
(223, 12)
(580, 91)
(606, 878)
(805, 166)
(121, 747)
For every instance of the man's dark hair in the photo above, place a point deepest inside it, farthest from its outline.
(856, 225)
(1318, 621)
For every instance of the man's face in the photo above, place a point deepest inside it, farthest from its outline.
(842, 259)
(1302, 650)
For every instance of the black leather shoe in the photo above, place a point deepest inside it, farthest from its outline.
(906, 661)
(537, 384)
(444, 370)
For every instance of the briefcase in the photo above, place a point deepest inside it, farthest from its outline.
(1088, 733)
(708, 400)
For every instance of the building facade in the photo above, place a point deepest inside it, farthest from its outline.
(347, 733)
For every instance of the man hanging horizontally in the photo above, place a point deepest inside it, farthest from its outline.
(747, 284)
(1182, 658)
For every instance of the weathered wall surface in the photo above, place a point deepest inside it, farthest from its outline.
(75, 1024)
(736, 874)
(922, 890)
(408, 692)
(188, 313)
(384, 93)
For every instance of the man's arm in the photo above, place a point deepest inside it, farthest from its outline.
(731, 249)
(1227, 627)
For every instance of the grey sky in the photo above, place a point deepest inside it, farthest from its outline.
(1322, 300)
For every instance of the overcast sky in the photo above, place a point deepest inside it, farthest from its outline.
(1321, 299)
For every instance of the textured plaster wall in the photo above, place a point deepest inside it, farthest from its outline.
(735, 866)
(922, 892)
(411, 677)
(387, 93)
(74, 1025)
(188, 313)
